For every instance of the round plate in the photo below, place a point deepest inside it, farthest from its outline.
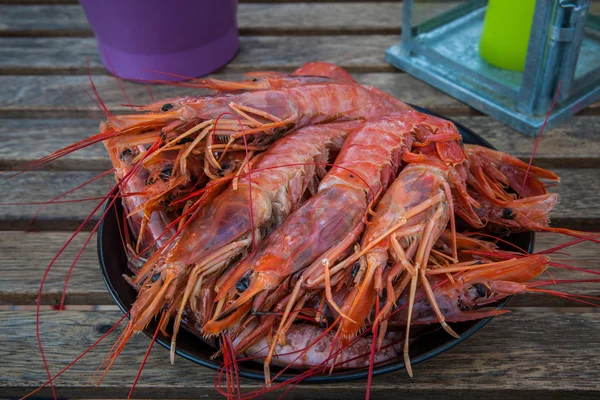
(113, 262)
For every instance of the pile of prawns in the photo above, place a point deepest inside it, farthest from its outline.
(307, 221)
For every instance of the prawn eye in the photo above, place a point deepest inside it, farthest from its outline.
(155, 277)
(355, 269)
(242, 284)
(126, 155)
(224, 168)
(185, 140)
(482, 290)
(166, 172)
(508, 214)
(167, 107)
(168, 201)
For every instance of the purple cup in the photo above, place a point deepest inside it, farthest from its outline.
(185, 38)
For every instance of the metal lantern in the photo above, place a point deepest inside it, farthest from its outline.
(563, 46)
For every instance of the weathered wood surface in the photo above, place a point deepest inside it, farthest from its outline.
(548, 347)
(577, 209)
(497, 362)
(25, 256)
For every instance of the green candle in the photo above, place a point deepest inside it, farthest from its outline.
(506, 33)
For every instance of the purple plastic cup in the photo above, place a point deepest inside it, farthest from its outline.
(184, 38)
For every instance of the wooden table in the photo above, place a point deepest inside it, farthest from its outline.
(546, 347)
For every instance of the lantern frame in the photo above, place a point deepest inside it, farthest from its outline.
(443, 52)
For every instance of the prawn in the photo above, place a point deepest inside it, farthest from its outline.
(263, 114)
(325, 226)
(223, 228)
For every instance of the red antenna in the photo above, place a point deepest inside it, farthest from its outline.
(537, 142)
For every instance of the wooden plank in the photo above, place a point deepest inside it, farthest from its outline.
(43, 20)
(571, 144)
(68, 55)
(253, 19)
(577, 203)
(577, 209)
(25, 256)
(519, 354)
(65, 96)
(26, 140)
(40, 186)
(32, 252)
(318, 19)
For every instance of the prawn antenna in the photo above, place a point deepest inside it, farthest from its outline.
(60, 153)
(79, 357)
(118, 79)
(139, 373)
(55, 199)
(53, 261)
(539, 137)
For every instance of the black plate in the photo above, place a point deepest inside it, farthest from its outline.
(113, 262)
